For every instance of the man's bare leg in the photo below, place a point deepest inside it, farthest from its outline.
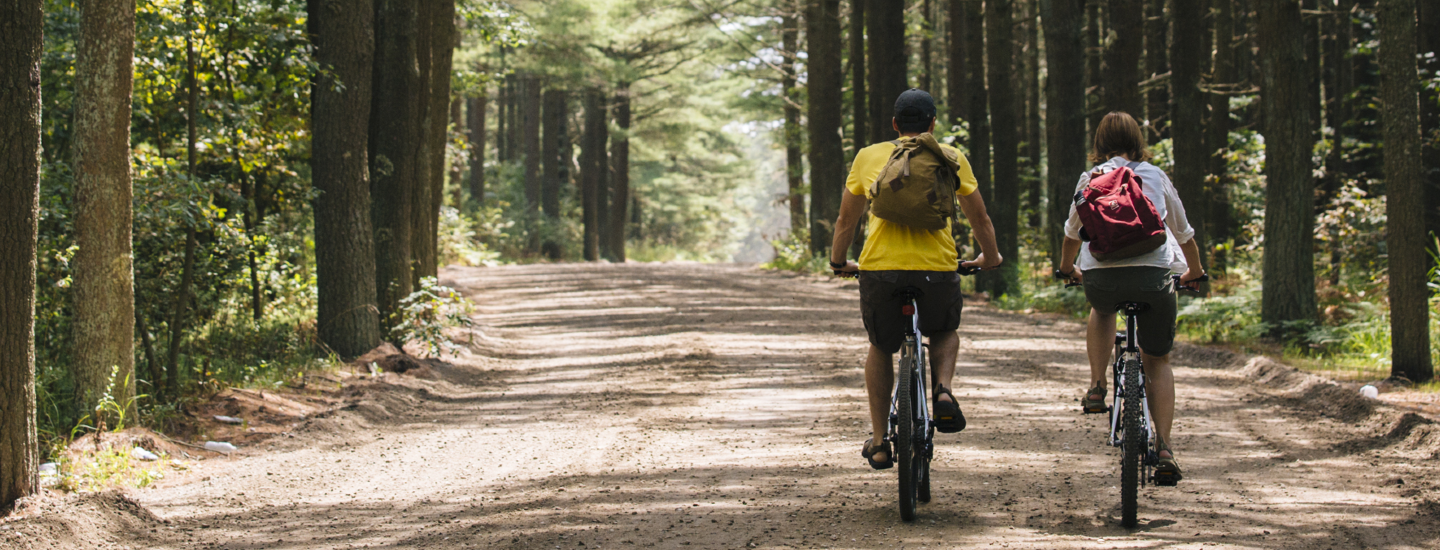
(944, 348)
(1160, 390)
(1099, 341)
(879, 381)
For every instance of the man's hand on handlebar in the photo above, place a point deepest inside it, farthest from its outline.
(849, 271)
(981, 263)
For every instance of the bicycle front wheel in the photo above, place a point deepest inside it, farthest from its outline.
(906, 452)
(1133, 446)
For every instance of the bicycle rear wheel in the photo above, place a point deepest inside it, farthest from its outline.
(905, 428)
(1133, 447)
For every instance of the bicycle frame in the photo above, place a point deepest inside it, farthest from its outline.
(1126, 348)
(922, 412)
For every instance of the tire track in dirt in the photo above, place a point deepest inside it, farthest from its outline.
(686, 405)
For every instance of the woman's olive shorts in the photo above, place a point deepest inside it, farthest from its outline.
(884, 322)
(1107, 288)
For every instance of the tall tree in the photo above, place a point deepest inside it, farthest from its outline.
(860, 105)
(925, 77)
(422, 245)
(592, 169)
(1094, 74)
(394, 150)
(1187, 61)
(956, 82)
(888, 63)
(457, 166)
(344, 245)
(620, 172)
(794, 167)
(1405, 201)
(442, 42)
(1217, 140)
(1125, 23)
(529, 98)
(1031, 122)
(1289, 265)
(19, 213)
(1065, 110)
(1157, 101)
(824, 113)
(1005, 211)
(556, 170)
(1311, 24)
(978, 102)
(1429, 18)
(475, 125)
(104, 275)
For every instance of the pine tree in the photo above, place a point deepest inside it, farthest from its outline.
(1005, 202)
(394, 138)
(823, 114)
(1065, 109)
(1187, 60)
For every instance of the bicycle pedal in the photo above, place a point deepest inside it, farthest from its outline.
(1166, 479)
(1100, 411)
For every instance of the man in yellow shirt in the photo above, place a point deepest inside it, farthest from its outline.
(897, 256)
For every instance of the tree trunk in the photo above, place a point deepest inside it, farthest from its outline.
(344, 245)
(103, 287)
(1094, 75)
(1429, 18)
(475, 126)
(1125, 26)
(1312, 63)
(1065, 110)
(1405, 194)
(860, 106)
(1191, 157)
(979, 97)
(794, 166)
(1289, 266)
(956, 83)
(178, 312)
(20, 53)
(1032, 134)
(442, 55)
(1005, 202)
(592, 168)
(394, 137)
(502, 115)
(457, 167)
(827, 155)
(554, 122)
(1217, 141)
(529, 97)
(925, 78)
(431, 41)
(620, 172)
(888, 63)
(1157, 109)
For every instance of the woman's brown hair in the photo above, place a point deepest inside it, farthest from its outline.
(1119, 134)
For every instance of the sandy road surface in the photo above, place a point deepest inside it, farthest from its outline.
(638, 406)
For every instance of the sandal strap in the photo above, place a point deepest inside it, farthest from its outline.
(870, 450)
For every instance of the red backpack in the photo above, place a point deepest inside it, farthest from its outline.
(1117, 218)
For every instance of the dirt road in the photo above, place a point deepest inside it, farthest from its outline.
(702, 406)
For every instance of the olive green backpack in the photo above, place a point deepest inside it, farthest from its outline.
(917, 186)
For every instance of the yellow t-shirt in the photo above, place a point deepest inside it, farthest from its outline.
(893, 247)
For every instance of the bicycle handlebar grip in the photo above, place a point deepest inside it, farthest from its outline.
(963, 270)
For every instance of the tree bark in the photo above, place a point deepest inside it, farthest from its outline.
(443, 42)
(592, 169)
(1217, 141)
(925, 78)
(791, 136)
(502, 115)
(888, 64)
(457, 167)
(1405, 201)
(620, 172)
(1429, 42)
(1187, 60)
(827, 155)
(1157, 108)
(1065, 110)
(1094, 74)
(554, 170)
(529, 98)
(344, 246)
(1289, 266)
(103, 287)
(956, 82)
(1312, 63)
(1032, 132)
(20, 51)
(1005, 202)
(1126, 31)
(422, 241)
(979, 97)
(860, 105)
(394, 139)
(475, 126)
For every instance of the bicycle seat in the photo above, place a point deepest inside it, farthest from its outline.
(908, 293)
(1132, 308)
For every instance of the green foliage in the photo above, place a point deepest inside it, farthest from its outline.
(426, 313)
(792, 253)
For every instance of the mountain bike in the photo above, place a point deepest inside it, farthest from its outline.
(1130, 426)
(911, 428)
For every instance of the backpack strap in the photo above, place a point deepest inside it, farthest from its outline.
(1132, 165)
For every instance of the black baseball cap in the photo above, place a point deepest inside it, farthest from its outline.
(914, 105)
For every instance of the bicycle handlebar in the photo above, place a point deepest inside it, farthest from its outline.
(960, 268)
(1191, 286)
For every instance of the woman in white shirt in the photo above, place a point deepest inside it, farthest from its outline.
(1144, 279)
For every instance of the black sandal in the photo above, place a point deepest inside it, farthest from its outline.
(869, 453)
(948, 418)
(1094, 406)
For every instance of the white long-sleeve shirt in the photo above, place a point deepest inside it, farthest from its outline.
(1157, 187)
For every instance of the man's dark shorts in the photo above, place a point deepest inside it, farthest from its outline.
(939, 306)
(1155, 328)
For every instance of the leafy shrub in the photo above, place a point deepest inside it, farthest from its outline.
(792, 253)
(427, 312)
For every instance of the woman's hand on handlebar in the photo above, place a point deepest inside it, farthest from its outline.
(1191, 279)
(850, 271)
(1073, 277)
